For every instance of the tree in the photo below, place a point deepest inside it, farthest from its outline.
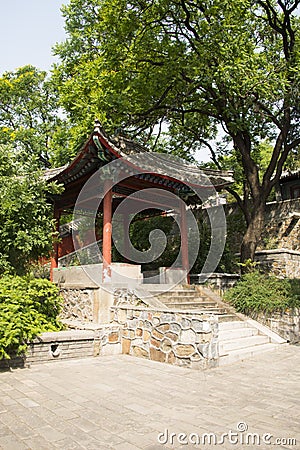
(26, 230)
(198, 67)
(31, 120)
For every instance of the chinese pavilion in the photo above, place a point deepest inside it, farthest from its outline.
(111, 169)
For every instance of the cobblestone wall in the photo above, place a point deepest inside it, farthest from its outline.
(78, 304)
(180, 338)
(89, 304)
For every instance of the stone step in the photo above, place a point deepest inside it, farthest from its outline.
(241, 354)
(235, 344)
(237, 323)
(186, 299)
(183, 291)
(227, 318)
(237, 333)
(182, 301)
(196, 305)
(179, 294)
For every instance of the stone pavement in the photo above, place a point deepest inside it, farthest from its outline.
(120, 402)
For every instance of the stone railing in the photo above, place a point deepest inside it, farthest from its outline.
(176, 337)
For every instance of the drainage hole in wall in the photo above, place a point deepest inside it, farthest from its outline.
(55, 351)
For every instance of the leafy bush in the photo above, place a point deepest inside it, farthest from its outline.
(258, 293)
(26, 216)
(28, 307)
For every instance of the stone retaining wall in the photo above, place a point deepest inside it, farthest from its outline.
(86, 304)
(183, 338)
(281, 230)
(55, 346)
(280, 262)
(286, 324)
(175, 337)
(282, 225)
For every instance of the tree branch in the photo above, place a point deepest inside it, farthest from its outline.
(188, 23)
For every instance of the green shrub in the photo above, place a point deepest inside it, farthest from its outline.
(28, 307)
(258, 293)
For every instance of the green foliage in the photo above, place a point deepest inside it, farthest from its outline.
(236, 227)
(191, 64)
(227, 264)
(230, 159)
(38, 269)
(139, 236)
(28, 307)
(26, 218)
(30, 117)
(258, 293)
(199, 70)
(248, 265)
(229, 261)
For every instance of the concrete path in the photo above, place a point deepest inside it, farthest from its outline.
(126, 403)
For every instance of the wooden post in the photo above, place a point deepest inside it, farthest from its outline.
(184, 239)
(54, 256)
(107, 231)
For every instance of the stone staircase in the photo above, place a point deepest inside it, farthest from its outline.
(194, 298)
(240, 340)
(239, 336)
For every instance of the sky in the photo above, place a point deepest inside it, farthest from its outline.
(28, 31)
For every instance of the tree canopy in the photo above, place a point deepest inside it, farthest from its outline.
(197, 68)
(31, 120)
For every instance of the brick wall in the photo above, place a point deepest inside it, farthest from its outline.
(56, 346)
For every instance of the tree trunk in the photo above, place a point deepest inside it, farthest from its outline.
(253, 234)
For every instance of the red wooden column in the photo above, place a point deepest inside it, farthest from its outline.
(54, 256)
(107, 231)
(184, 239)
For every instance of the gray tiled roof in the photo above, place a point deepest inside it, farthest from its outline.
(50, 174)
(290, 175)
(142, 158)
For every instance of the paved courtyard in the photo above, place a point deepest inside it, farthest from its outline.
(126, 403)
